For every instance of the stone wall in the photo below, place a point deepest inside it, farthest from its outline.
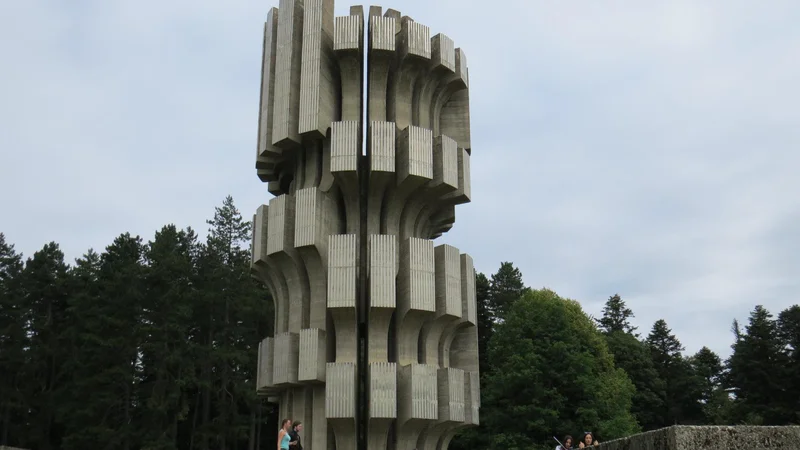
(710, 437)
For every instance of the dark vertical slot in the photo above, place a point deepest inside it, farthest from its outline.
(362, 365)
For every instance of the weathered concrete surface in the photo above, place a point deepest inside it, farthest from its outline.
(375, 342)
(711, 437)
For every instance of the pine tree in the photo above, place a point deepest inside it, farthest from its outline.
(616, 316)
(681, 395)
(485, 322)
(506, 287)
(757, 370)
(789, 329)
(13, 342)
(45, 281)
(99, 408)
(237, 316)
(166, 353)
(708, 371)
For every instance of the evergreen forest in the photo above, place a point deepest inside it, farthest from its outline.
(152, 345)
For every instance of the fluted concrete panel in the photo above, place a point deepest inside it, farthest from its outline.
(267, 155)
(312, 364)
(266, 355)
(340, 395)
(382, 33)
(280, 234)
(418, 392)
(382, 146)
(345, 146)
(468, 295)
(382, 271)
(375, 341)
(472, 397)
(448, 281)
(345, 152)
(287, 351)
(381, 46)
(417, 296)
(451, 394)
(348, 33)
(418, 289)
(349, 48)
(382, 390)
(318, 99)
(342, 271)
(287, 74)
(415, 154)
(342, 294)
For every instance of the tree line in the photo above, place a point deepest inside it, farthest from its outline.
(153, 346)
(147, 345)
(549, 369)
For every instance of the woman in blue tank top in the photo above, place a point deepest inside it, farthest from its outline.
(283, 435)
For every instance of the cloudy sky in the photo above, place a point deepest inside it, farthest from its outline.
(644, 148)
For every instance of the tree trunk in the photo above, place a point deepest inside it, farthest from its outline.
(6, 422)
(195, 415)
(252, 444)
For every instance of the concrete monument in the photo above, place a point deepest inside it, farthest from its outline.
(375, 342)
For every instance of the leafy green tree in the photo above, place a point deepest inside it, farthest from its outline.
(757, 371)
(552, 372)
(13, 341)
(633, 356)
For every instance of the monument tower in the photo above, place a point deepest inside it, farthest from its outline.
(375, 342)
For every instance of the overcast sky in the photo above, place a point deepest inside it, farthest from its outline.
(648, 149)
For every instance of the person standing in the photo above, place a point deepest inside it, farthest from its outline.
(588, 440)
(294, 436)
(567, 443)
(283, 434)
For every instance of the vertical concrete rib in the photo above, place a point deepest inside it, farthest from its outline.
(267, 155)
(348, 44)
(342, 294)
(416, 215)
(345, 151)
(413, 58)
(448, 302)
(382, 274)
(287, 74)
(266, 270)
(381, 153)
(382, 47)
(318, 90)
(382, 402)
(416, 300)
(280, 248)
(414, 170)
